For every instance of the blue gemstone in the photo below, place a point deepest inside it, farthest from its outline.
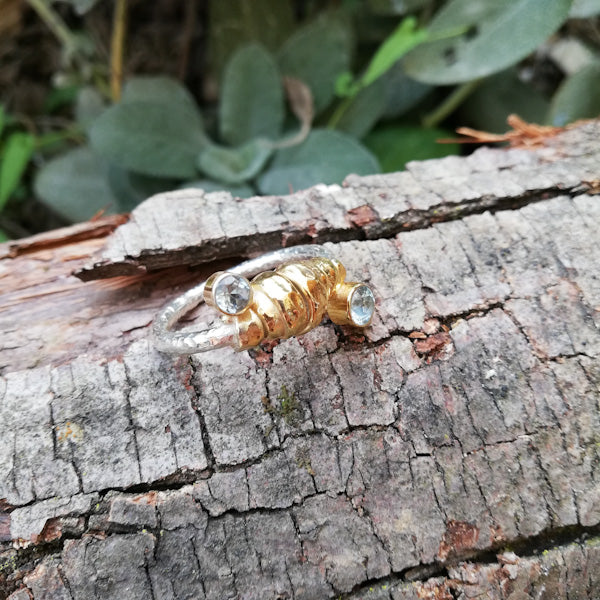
(361, 305)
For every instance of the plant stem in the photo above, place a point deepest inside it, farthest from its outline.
(450, 104)
(189, 27)
(53, 21)
(339, 112)
(117, 44)
(48, 139)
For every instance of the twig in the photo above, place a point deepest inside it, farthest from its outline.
(522, 134)
(54, 22)
(189, 26)
(117, 44)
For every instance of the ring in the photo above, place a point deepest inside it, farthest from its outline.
(307, 282)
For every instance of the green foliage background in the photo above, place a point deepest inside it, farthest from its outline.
(353, 87)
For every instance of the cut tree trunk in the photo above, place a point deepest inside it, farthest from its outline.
(452, 450)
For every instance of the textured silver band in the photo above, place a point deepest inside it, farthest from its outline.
(223, 334)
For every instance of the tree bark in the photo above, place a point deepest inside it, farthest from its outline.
(452, 450)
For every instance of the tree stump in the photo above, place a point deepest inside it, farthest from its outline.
(452, 450)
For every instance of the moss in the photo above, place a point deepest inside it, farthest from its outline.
(9, 565)
(303, 461)
(288, 407)
(289, 404)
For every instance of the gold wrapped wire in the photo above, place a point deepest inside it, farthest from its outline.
(290, 300)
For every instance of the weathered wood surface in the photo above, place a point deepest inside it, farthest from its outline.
(189, 228)
(451, 452)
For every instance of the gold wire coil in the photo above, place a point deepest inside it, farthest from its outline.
(291, 300)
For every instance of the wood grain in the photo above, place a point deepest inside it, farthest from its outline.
(450, 451)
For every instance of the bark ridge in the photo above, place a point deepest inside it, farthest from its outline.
(452, 451)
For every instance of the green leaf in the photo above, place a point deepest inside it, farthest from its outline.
(89, 106)
(583, 9)
(578, 97)
(364, 110)
(234, 23)
(158, 90)
(75, 185)
(16, 152)
(3, 236)
(404, 38)
(132, 188)
(395, 145)
(2, 119)
(153, 139)
(499, 96)
(59, 97)
(325, 157)
(252, 103)
(402, 93)
(317, 54)
(494, 35)
(237, 191)
(346, 86)
(234, 165)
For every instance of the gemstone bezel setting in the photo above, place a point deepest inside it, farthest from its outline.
(361, 305)
(231, 293)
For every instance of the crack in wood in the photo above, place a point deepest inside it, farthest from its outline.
(449, 186)
(453, 443)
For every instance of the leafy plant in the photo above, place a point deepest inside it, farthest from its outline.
(76, 185)
(16, 150)
(15, 153)
(310, 103)
(157, 131)
(251, 104)
(325, 157)
(403, 39)
(494, 36)
(578, 97)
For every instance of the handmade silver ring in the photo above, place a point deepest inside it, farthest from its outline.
(307, 283)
